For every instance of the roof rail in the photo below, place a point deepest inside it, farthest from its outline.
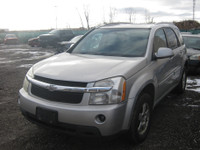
(165, 23)
(116, 23)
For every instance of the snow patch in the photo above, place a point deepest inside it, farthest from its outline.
(25, 66)
(193, 85)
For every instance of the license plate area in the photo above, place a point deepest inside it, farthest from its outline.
(46, 115)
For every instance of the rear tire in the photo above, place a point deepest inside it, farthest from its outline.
(141, 120)
(182, 84)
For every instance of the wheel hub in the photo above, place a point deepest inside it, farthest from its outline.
(143, 118)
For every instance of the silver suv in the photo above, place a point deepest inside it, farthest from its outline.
(108, 82)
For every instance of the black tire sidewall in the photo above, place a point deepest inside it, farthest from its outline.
(179, 89)
(143, 98)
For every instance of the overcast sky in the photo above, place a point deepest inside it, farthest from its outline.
(42, 14)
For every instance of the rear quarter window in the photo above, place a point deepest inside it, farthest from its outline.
(180, 38)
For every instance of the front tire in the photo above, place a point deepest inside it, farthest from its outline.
(141, 120)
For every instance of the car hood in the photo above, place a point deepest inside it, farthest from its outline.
(191, 52)
(87, 68)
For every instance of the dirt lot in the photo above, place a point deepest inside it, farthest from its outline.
(175, 123)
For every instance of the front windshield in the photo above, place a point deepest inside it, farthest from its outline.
(192, 42)
(125, 42)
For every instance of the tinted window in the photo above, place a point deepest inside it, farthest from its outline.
(67, 31)
(114, 42)
(171, 38)
(55, 32)
(159, 40)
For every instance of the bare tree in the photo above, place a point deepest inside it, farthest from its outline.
(148, 18)
(112, 14)
(86, 14)
(131, 12)
(80, 18)
(103, 17)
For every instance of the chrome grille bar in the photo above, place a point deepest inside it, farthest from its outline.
(53, 87)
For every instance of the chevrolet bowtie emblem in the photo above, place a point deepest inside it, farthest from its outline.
(51, 87)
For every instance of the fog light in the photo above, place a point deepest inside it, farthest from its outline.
(100, 119)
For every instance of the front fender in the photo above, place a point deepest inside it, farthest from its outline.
(136, 88)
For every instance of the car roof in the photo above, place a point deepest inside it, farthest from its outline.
(61, 29)
(130, 25)
(126, 25)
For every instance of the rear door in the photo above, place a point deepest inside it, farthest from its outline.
(176, 60)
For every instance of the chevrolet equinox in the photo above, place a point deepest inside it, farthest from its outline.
(108, 82)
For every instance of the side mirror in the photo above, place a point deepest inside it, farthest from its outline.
(164, 52)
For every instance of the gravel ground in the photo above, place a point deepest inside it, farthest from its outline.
(175, 123)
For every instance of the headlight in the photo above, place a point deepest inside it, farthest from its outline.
(26, 82)
(30, 72)
(114, 96)
(195, 57)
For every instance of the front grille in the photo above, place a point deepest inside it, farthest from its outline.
(59, 82)
(58, 96)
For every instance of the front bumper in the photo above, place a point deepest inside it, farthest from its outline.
(70, 129)
(76, 116)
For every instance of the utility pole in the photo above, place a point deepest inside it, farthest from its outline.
(56, 15)
(194, 3)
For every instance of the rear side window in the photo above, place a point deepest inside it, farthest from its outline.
(159, 40)
(171, 38)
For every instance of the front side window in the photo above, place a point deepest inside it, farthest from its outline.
(125, 42)
(171, 38)
(159, 40)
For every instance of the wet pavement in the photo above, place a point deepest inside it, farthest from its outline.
(10, 54)
(175, 123)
